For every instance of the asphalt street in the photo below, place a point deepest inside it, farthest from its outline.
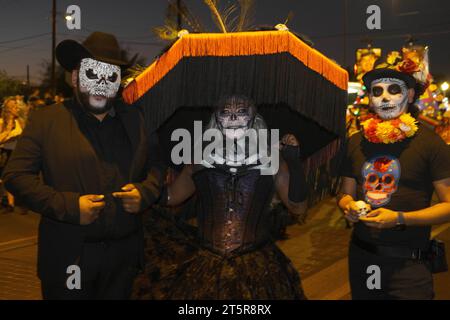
(317, 248)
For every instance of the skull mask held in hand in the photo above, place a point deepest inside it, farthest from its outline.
(363, 208)
(381, 176)
(389, 98)
(235, 115)
(98, 83)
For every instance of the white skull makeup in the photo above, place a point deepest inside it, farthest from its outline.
(235, 116)
(389, 97)
(100, 80)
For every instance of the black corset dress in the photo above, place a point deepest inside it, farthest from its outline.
(233, 214)
(236, 256)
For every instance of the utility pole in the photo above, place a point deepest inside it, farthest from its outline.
(53, 82)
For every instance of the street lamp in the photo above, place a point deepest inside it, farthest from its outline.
(444, 88)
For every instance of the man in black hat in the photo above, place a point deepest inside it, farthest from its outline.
(392, 167)
(97, 176)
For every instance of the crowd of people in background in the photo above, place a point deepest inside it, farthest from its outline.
(13, 118)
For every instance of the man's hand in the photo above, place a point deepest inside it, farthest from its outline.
(131, 198)
(90, 207)
(351, 212)
(381, 219)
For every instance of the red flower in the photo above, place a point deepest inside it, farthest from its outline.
(394, 135)
(370, 116)
(382, 164)
(408, 66)
(371, 128)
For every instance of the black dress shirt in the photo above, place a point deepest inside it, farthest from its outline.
(113, 149)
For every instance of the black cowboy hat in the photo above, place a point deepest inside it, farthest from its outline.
(380, 73)
(99, 46)
(394, 69)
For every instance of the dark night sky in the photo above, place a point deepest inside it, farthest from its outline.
(131, 21)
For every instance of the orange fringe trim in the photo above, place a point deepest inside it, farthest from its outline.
(235, 44)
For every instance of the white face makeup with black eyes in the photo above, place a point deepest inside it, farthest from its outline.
(389, 98)
(235, 117)
(100, 80)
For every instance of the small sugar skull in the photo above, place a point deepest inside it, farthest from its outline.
(381, 176)
(363, 208)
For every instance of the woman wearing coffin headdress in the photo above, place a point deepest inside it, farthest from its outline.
(235, 246)
(233, 254)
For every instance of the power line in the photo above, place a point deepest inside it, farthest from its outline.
(30, 45)
(25, 46)
(26, 38)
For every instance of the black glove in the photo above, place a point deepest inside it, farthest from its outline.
(297, 180)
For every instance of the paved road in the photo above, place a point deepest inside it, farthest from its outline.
(318, 249)
(18, 257)
(18, 279)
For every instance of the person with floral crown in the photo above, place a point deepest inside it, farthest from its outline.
(389, 174)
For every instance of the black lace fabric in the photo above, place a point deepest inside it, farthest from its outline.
(178, 269)
(214, 261)
(258, 275)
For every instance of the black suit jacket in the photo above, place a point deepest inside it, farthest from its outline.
(54, 163)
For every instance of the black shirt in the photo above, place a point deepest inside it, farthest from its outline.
(113, 149)
(398, 177)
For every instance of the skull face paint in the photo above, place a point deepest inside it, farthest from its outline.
(381, 176)
(99, 80)
(389, 98)
(235, 116)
